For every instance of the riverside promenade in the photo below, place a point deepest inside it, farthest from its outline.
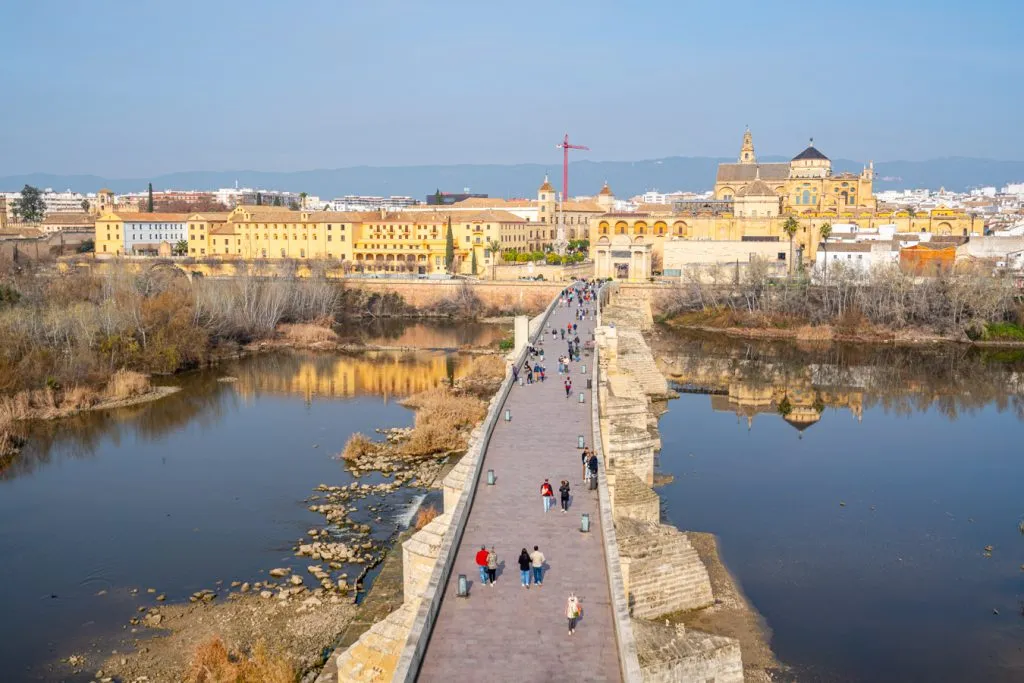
(506, 632)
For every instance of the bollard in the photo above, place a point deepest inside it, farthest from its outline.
(581, 397)
(581, 442)
(584, 526)
(490, 477)
(463, 590)
(508, 414)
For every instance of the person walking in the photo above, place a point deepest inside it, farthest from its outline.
(492, 566)
(524, 569)
(592, 466)
(537, 564)
(573, 611)
(586, 463)
(515, 373)
(563, 490)
(481, 563)
(568, 387)
(547, 494)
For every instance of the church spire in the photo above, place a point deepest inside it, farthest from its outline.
(747, 155)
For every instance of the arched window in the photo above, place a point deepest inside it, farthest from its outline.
(806, 197)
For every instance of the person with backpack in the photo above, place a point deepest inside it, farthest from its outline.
(573, 612)
(547, 494)
(492, 566)
(564, 491)
(481, 563)
(524, 569)
(592, 466)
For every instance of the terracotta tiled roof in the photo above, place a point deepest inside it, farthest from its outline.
(607, 191)
(758, 188)
(588, 205)
(210, 216)
(69, 219)
(223, 229)
(152, 217)
(731, 173)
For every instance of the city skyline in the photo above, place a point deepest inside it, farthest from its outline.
(142, 91)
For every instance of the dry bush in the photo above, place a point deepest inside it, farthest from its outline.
(79, 398)
(357, 446)
(425, 516)
(127, 384)
(306, 333)
(441, 417)
(212, 662)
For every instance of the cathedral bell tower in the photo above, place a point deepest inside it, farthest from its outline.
(747, 155)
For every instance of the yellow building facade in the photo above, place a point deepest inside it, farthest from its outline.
(374, 242)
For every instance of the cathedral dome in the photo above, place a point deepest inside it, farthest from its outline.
(811, 153)
(758, 188)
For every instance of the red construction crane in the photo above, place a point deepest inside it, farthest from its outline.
(565, 146)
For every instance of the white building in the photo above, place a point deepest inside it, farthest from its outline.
(144, 232)
(857, 258)
(353, 202)
(1014, 189)
(56, 202)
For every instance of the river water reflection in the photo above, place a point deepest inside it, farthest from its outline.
(854, 493)
(205, 485)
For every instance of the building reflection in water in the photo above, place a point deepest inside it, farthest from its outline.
(377, 373)
(798, 384)
(204, 400)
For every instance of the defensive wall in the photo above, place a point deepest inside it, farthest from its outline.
(660, 571)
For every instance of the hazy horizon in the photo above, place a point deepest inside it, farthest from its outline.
(118, 89)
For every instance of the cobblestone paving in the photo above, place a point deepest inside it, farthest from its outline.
(505, 632)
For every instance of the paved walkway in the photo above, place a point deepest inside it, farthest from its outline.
(505, 632)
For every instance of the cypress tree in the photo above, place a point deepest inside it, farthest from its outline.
(149, 200)
(259, 199)
(473, 262)
(449, 247)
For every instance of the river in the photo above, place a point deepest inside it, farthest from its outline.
(854, 492)
(193, 491)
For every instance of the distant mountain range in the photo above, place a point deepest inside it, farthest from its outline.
(626, 178)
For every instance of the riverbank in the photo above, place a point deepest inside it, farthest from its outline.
(744, 326)
(314, 609)
(124, 389)
(732, 615)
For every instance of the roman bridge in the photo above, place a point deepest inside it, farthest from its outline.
(627, 568)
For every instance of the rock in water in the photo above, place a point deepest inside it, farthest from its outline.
(280, 572)
(296, 580)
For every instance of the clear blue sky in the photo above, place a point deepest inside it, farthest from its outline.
(129, 89)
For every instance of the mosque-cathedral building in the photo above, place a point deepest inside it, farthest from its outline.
(751, 202)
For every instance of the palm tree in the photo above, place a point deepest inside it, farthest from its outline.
(825, 231)
(302, 200)
(495, 247)
(790, 227)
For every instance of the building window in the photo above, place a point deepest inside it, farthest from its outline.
(781, 256)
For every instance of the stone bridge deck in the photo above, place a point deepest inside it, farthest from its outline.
(505, 632)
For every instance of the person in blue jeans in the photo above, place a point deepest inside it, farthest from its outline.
(481, 563)
(537, 564)
(524, 568)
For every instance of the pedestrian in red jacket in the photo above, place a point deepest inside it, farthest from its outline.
(547, 494)
(481, 563)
